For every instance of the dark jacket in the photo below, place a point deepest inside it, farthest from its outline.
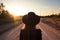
(34, 34)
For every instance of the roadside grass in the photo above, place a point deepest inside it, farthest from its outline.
(6, 25)
(55, 24)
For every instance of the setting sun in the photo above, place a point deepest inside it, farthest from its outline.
(16, 10)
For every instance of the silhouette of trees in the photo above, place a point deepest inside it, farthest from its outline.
(59, 15)
(4, 14)
(51, 16)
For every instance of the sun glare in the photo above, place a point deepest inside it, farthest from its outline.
(17, 11)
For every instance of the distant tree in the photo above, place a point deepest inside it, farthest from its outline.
(1, 7)
(2, 11)
(2, 14)
(59, 14)
(7, 14)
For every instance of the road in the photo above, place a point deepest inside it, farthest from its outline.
(8, 26)
(48, 33)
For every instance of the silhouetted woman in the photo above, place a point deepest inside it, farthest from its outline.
(30, 32)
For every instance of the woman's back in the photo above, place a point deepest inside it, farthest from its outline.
(34, 34)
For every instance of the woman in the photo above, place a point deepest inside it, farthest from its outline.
(30, 32)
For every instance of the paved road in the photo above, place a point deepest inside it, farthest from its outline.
(48, 33)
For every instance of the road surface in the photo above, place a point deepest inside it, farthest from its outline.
(48, 33)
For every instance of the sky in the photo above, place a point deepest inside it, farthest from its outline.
(40, 7)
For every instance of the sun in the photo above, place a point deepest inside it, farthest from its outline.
(16, 10)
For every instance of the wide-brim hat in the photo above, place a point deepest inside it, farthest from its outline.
(31, 19)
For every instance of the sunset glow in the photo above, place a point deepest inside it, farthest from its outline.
(16, 10)
(40, 7)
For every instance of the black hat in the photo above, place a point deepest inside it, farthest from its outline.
(31, 19)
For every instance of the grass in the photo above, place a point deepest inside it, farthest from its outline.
(54, 25)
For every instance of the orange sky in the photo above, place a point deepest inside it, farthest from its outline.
(40, 7)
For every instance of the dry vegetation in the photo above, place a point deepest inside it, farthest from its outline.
(52, 20)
